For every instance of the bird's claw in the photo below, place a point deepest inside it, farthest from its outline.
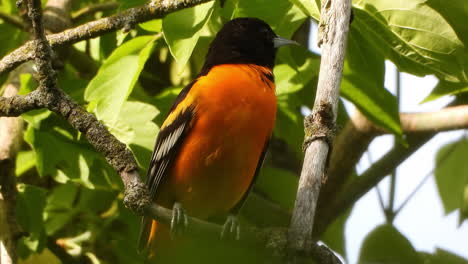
(231, 228)
(179, 221)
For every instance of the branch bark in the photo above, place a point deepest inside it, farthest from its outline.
(11, 129)
(126, 19)
(320, 125)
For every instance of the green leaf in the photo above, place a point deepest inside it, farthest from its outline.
(61, 155)
(182, 30)
(309, 7)
(451, 174)
(363, 84)
(413, 36)
(297, 67)
(444, 88)
(386, 245)
(28, 84)
(138, 118)
(455, 13)
(60, 207)
(284, 17)
(335, 236)
(442, 256)
(25, 160)
(280, 185)
(109, 89)
(29, 209)
(154, 25)
(289, 121)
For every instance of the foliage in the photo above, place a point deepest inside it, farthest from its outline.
(70, 197)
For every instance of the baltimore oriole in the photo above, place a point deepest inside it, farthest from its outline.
(212, 144)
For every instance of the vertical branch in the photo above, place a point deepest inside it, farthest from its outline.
(10, 138)
(319, 126)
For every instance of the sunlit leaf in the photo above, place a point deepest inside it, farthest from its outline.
(309, 7)
(182, 30)
(444, 88)
(413, 36)
(25, 160)
(116, 78)
(284, 17)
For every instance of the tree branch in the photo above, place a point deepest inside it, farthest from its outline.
(320, 125)
(127, 18)
(359, 133)
(11, 130)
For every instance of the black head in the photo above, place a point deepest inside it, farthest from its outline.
(244, 40)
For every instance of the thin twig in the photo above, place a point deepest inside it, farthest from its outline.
(92, 9)
(127, 18)
(428, 175)
(13, 20)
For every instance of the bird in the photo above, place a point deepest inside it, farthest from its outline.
(212, 144)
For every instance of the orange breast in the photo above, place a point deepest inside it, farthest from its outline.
(235, 115)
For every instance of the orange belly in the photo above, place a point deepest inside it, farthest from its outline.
(217, 161)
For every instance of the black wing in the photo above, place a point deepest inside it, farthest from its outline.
(165, 150)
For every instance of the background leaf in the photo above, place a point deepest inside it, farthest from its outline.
(363, 84)
(182, 30)
(386, 245)
(451, 175)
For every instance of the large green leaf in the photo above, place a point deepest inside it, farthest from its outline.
(280, 186)
(363, 83)
(386, 245)
(455, 13)
(60, 207)
(29, 209)
(61, 155)
(182, 30)
(289, 121)
(109, 89)
(295, 68)
(282, 16)
(413, 36)
(142, 131)
(451, 175)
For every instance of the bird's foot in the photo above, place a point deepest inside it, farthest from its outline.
(231, 228)
(179, 220)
